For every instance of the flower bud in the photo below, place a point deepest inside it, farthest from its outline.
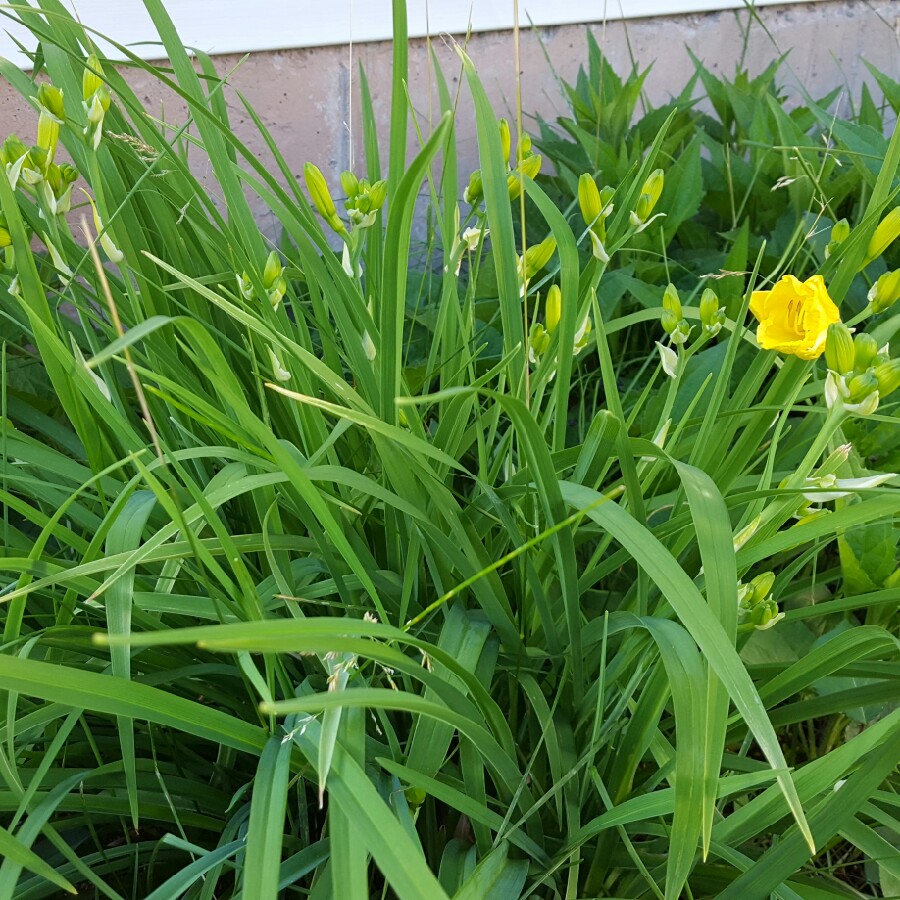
(606, 197)
(839, 352)
(378, 194)
(683, 332)
(321, 198)
(709, 305)
(538, 341)
(538, 255)
(650, 194)
(761, 587)
(524, 145)
(505, 143)
(765, 615)
(554, 308)
(862, 386)
(887, 376)
(5, 239)
(589, 199)
(865, 349)
(475, 190)
(669, 321)
(50, 100)
(273, 269)
(885, 234)
(840, 231)
(885, 292)
(671, 301)
(350, 183)
(530, 167)
(91, 80)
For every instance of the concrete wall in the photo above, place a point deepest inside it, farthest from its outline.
(309, 98)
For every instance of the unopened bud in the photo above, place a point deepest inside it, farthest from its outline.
(840, 231)
(474, 191)
(671, 301)
(709, 305)
(765, 615)
(839, 352)
(865, 349)
(650, 194)
(682, 332)
(885, 234)
(887, 376)
(273, 269)
(554, 308)
(885, 292)
(862, 386)
(91, 80)
(505, 143)
(524, 147)
(538, 255)
(589, 199)
(606, 197)
(50, 99)
(669, 321)
(318, 191)
(530, 167)
(349, 183)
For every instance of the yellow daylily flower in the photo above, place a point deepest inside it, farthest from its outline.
(794, 316)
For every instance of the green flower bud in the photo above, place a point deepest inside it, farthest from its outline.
(589, 199)
(865, 349)
(321, 198)
(765, 614)
(887, 376)
(709, 305)
(669, 321)
(839, 352)
(862, 386)
(377, 194)
(538, 255)
(650, 194)
(524, 145)
(273, 270)
(538, 342)
(68, 173)
(840, 231)
(505, 140)
(671, 301)
(50, 99)
(474, 192)
(5, 239)
(350, 184)
(530, 167)
(885, 292)
(761, 587)
(885, 234)
(606, 197)
(91, 81)
(554, 308)
(12, 151)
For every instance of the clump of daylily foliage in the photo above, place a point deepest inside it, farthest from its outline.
(507, 559)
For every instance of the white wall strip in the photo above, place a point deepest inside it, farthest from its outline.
(237, 26)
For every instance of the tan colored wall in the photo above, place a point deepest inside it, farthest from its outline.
(305, 96)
